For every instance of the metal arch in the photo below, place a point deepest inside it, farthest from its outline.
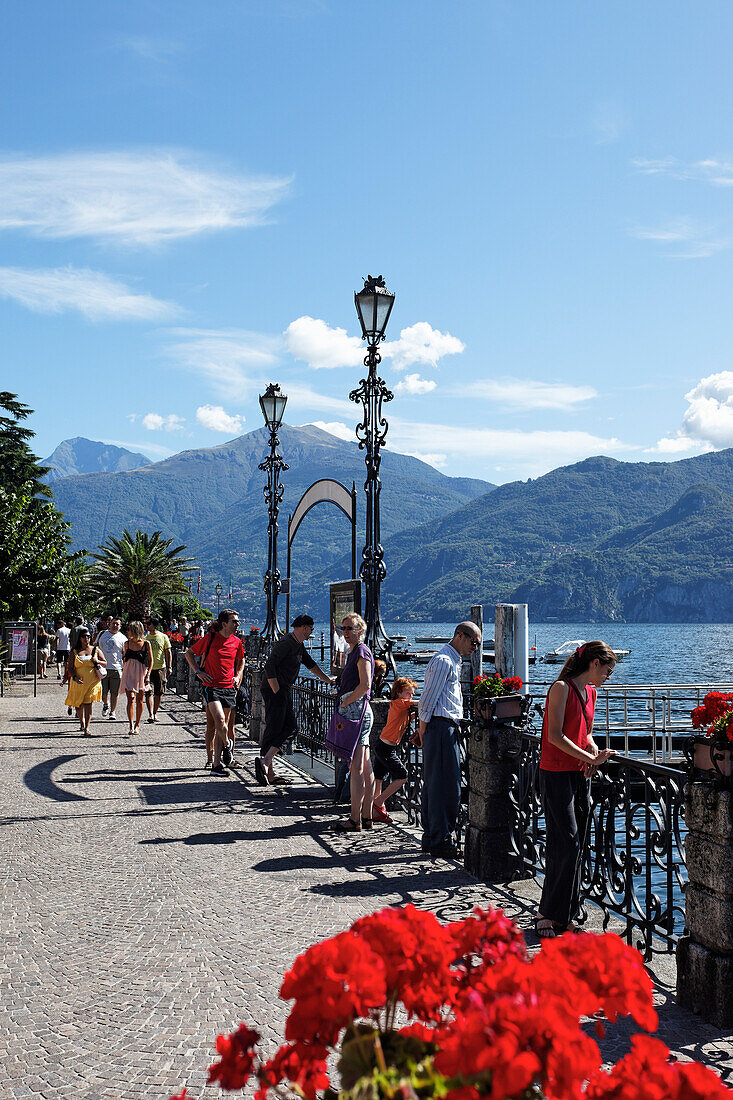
(327, 491)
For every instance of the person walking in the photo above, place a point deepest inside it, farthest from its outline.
(43, 650)
(222, 664)
(281, 670)
(354, 691)
(78, 624)
(137, 659)
(569, 758)
(440, 709)
(63, 645)
(160, 645)
(112, 643)
(85, 688)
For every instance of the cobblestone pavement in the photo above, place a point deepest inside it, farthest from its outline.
(147, 906)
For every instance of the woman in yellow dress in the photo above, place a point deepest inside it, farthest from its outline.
(85, 687)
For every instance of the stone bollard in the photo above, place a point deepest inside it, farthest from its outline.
(257, 712)
(194, 687)
(181, 673)
(705, 953)
(492, 767)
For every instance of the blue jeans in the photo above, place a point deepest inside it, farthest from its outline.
(441, 783)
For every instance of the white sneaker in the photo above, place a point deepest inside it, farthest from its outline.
(112, 716)
(105, 708)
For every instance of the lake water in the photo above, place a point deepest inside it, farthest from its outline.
(661, 653)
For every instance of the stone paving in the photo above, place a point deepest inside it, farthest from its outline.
(147, 906)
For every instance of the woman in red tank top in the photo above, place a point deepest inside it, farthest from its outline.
(568, 759)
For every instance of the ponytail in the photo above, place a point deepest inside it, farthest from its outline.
(579, 661)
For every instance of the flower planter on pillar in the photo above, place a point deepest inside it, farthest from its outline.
(705, 953)
(493, 755)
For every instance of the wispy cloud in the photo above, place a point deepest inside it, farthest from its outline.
(607, 122)
(304, 399)
(679, 444)
(534, 451)
(130, 197)
(155, 422)
(323, 347)
(96, 295)
(412, 385)
(683, 238)
(231, 360)
(711, 170)
(215, 419)
(152, 48)
(150, 450)
(432, 458)
(526, 393)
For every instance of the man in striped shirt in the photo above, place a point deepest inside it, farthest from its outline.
(440, 708)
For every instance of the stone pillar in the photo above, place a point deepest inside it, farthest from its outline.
(705, 954)
(181, 673)
(492, 766)
(257, 713)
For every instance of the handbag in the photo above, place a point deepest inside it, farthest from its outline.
(100, 670)
(343, 733)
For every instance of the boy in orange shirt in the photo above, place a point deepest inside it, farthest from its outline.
(386, 760)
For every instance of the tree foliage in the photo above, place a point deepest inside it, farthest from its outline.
(135, 570)
(37, 573)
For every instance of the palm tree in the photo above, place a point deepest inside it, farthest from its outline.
(136, 569)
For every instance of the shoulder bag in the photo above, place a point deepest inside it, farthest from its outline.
(343, 733)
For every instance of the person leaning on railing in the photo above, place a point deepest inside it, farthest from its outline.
(568, 759)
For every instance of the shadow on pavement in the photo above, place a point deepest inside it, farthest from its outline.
(38, 779)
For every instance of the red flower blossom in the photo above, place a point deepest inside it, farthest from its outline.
(416, 952)
(333, 983)
(237, 1058)
(484, 938)
(179, 1095)
(512, 683)
(647, 1074)
(301, 1064)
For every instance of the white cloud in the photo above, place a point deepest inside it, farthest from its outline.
(709, 416)
(324, 347)
(520, 393)
(154, 422)
(436, 460)
(233, 361)
(150, 450)
(215, 419)
(130, 197)
(335, 427)
(304, 398)
(321, 346)
(413, 384)
(535, 451)
(674, 445)
(420, 343)
(55, 290)
(152, 49)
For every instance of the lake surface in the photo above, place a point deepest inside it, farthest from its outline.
(661, 653)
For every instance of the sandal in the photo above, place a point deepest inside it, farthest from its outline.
(545, 928)
(367, 823)
(347, 826)
(281, 781)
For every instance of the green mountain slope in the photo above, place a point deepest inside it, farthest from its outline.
(212, 500)
(487, 550)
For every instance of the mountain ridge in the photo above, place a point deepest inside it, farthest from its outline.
(79, 455)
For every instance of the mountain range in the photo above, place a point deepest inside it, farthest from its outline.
(87, 456)
(597, 540)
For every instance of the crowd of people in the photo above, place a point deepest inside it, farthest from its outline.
(104, 663)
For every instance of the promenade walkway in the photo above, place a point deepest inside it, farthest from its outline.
(147, 907)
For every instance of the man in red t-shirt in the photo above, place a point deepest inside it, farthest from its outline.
(220, 671)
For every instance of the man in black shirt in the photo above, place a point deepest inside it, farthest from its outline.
(278, 676)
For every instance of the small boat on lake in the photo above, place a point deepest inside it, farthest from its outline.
(421, 656)
(432, 638)
(560, 655)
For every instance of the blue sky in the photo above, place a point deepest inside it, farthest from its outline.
(190, 195)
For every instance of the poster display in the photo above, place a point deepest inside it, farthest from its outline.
(345, 600)
(19, 645)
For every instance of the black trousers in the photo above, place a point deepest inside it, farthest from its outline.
(280, 722)
(441, 783)
(567, 819)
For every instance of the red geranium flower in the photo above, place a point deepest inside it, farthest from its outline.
(237, 1058)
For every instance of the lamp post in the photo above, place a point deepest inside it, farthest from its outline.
(218, 591)
(272, 403)
(373, 305)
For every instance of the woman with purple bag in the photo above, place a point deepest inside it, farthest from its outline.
(353, 703)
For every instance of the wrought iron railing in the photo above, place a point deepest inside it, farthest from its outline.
(634, 865)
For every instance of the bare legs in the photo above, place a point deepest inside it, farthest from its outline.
(221, 726)
(84, 714)
(134, 704)
(362, 785)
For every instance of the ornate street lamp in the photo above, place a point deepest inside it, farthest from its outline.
(218, 591)
(272, 403)
(373, 305)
